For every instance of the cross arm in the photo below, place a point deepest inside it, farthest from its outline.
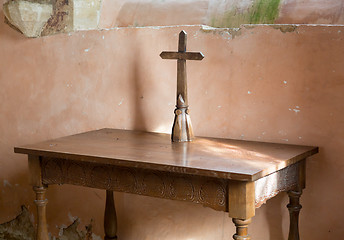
(182, 55)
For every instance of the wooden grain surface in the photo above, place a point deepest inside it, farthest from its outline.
(182, 55)
(221, 158)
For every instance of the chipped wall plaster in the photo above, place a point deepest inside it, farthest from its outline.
(22, 228)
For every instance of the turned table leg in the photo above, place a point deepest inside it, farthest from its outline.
(241, 202)
(241, 229)
(110, 219)
(41, 202)
(294, 208)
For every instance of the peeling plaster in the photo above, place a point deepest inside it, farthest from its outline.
(231, 33)
(285, 28)
(71, 217)
(227, 33)
(22, 228)
(72, 233)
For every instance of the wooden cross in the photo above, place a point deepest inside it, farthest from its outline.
(182, 129)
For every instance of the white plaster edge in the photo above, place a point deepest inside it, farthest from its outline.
(297, 25)
(203, 27)
(207, 27)
(150, 27)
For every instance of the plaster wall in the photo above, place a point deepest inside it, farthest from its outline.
(262, 83)
(34, 19)
(219, 13)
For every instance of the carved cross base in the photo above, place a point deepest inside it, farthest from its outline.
(241, 229)
(182, 129)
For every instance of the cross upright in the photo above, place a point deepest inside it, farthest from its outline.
(182, 129)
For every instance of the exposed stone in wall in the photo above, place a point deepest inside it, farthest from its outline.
(48, 17)
(21, 228)
(27, 16)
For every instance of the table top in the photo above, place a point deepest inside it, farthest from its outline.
(216, 157)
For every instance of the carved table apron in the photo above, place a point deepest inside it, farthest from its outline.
(227, 175)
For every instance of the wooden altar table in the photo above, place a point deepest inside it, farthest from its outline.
(227, 175)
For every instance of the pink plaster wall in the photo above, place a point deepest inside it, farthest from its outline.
(263, 85)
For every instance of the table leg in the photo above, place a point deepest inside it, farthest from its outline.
(241, 229)
(294, 208)
(41, 202)
(110, 219)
